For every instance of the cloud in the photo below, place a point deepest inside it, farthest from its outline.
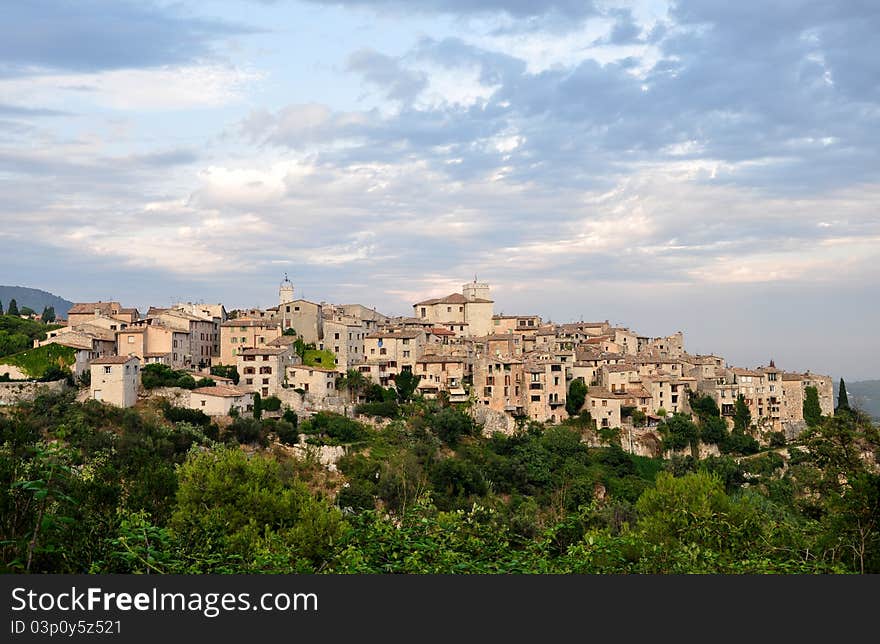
(21, 111)
(387, 74)
(100, 35)
(572, 9)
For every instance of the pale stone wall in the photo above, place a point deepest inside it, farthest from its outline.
(118, 387)
(304, 317)
(478, 315)
(236, 335)
(493, 421)
(12, 393)
(219, 405)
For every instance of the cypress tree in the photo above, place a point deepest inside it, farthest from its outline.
(1, 308)
(13, 308)
(842, 398)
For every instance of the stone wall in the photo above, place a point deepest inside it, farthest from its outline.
(12, 393)
(13, 372)
(492, 420)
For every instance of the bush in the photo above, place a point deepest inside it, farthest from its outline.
(386, 409)
(271, 403)
(183, 415)
(777, 439)
(161, 375)
(247, 430)
(739, 443)
(286, 432)
(451, 424)
(335, 427)
(226, 371)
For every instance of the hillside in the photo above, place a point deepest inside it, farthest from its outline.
(34, 298)
(864, 394)
(36, 362)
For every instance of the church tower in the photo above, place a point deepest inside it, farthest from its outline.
(285, 292)
(476, 290)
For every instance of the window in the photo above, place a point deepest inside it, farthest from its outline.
(449, 309)
(536, 398)
(424, 312)
(335, 336)
(265, 381)
(382, 351)
(406, 354)
(203, 403)
(296, 308)
(108, 369)
(604, 403)
(372, 352)
(335, 349)
(131, 339)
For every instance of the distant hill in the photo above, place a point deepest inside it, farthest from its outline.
(864, 394)
(34, 298)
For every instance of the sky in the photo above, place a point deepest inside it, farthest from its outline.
(700, 165)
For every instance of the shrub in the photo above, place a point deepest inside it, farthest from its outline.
(183, 415)
(386, 409)
(271, 403)
(777, 439)
(451, 424)
(286, 432)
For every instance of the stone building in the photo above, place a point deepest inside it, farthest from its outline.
(115, 380)
(468, 313)
(220, 399)
(264, 369)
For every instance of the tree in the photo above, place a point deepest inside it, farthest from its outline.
(13, 308)
(48, 315)
(812, 409)
(713, 430)
(742, 417)
(577, 394)
(842, 398)
(226, 371)
(451, 424)
(678, 432)
(352, 381)
(406, 383)
(1, 308)
(289, 331)
(232, 507)
(258, 406)
(26, 310)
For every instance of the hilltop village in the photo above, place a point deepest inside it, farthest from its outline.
(504, 368)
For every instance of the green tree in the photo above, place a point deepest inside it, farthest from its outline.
(812, 409)
(406, 384)
(353, 382)
(577, 394)
(742, 417)
(289, 331)
(13, 308)
(48, 315)
(258, 406)
(1, 308)
(249, 512)
(226, 371)
(26, 310)
(678, 431)
(451, 424)
(713, 430)
(842, 398)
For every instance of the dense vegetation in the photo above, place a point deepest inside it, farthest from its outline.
(48, 362)
(18, 334)
(89, 488)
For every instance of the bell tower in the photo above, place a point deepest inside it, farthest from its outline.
(285, 292)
